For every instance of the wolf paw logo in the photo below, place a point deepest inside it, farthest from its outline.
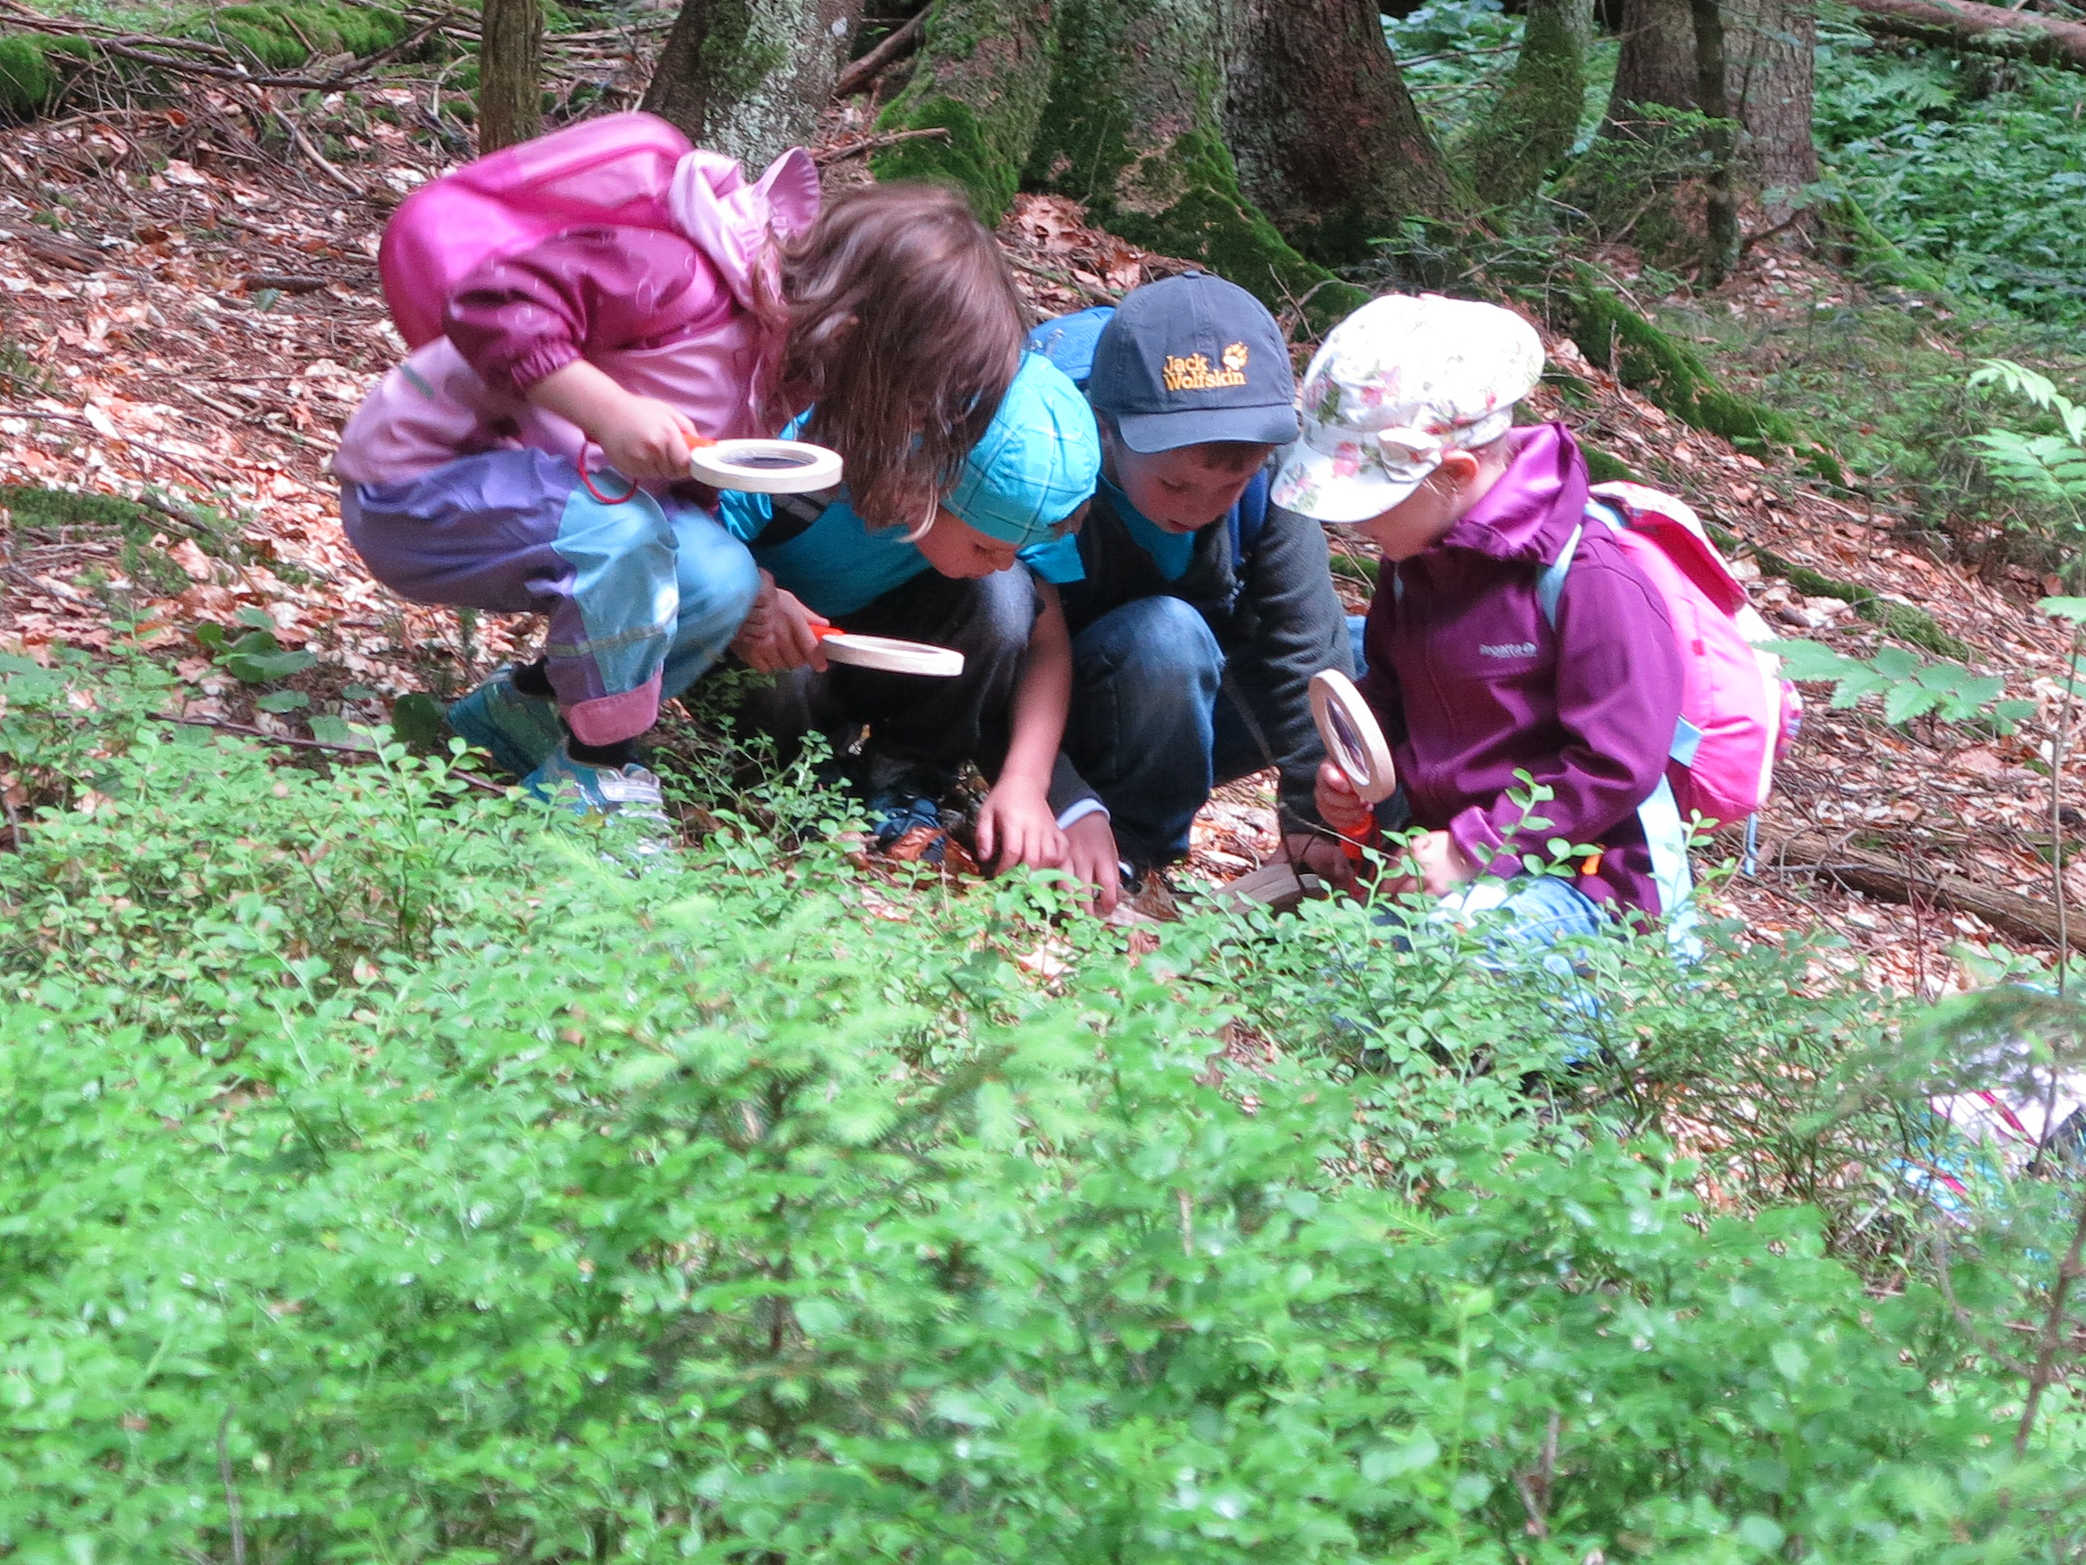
(1235, 356)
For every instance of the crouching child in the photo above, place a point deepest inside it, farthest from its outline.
(1487, 665)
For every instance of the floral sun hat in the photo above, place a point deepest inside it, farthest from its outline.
(1396, 386)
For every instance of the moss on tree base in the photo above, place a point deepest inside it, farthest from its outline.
(1649, 361)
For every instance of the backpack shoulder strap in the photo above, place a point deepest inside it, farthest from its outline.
(1551, 579)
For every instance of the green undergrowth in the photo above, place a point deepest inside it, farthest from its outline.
(390, 1174)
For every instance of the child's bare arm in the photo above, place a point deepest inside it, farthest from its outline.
(1016, 826)
(642, 437)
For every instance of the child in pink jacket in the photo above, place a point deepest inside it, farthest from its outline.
(474, 473)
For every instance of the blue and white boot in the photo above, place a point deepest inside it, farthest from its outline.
(519, 731)
(628, 793)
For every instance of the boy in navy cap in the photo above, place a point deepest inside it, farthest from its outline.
(1203, 611)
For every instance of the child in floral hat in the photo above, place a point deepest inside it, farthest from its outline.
(1408, 413)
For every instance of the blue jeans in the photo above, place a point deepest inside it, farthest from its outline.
(1147, 730)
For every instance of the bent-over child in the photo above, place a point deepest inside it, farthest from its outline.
(468, 475)
(973, 576)
(1198, 611)
(1407, 411)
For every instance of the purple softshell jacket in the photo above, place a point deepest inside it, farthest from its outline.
(1472, 684)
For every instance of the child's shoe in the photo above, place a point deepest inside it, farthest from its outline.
(909, 827)
(519, 731)
(628, 793)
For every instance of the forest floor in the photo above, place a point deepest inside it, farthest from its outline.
(187, 318)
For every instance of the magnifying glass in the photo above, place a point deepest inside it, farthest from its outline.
(1354, 741)
(888, 654)
(763, 466)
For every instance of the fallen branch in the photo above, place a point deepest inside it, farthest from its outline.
(298, 139)
(1966, 24)
(860, 73)
(878, 142)
(282, 282)
(1897, 880)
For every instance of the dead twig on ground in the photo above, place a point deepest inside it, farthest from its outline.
(860, 74)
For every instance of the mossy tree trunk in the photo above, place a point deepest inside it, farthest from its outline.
(983, 74)
(510, 73)
(1133, 107)
(749, 77)
(1532, 124)
(1328, 142)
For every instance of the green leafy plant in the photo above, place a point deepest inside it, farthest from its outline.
(1911, 687)
(388, 1177)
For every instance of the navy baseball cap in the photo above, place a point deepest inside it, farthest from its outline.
(1193, 359)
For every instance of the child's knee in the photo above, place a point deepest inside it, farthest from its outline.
(717, 577)
(1159, 639)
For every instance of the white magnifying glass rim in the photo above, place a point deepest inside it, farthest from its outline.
(1334, 698)
(765, 466)
(893, 656)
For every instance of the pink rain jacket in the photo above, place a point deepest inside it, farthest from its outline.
(666, 312)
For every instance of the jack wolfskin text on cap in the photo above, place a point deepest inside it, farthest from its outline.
(1194, 359)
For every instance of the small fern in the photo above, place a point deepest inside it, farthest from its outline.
(2050, 468)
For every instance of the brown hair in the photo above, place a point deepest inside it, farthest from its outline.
(1232, 456)
(904, 329)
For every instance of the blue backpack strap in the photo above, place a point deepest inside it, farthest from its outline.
(1249, 518)
(1551, 579)
(1068, 341)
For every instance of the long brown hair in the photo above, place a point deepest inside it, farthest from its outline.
(904, 329)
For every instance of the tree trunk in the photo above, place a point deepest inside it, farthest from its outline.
(1535, 119)
(749, 77)
(1772, 42)
(983, 75)
(1964, 24)
(510, 73)
(1327, 140)
(1656, 65)
(1115, 102)
(1712, 93)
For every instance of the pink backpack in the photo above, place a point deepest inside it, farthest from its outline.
(1737, 712)
(615, 170)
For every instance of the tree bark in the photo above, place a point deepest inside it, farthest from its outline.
(984, 76)
(1712, 92)
(1903, 880)
(749, 77)
(510, 73)
(1535, 119)
(1773, 42)
(1115, 102)
(1656, 65)
(1987, 28)
(1327, 140)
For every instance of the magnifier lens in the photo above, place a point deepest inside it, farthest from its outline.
(1354, 755)
(772, 459)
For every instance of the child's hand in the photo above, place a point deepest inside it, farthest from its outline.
(1440, 864)
(1090, 854)
(643, 437)
(1339, 806)
(1017, 826)
(776, 633)
(1320, 855)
